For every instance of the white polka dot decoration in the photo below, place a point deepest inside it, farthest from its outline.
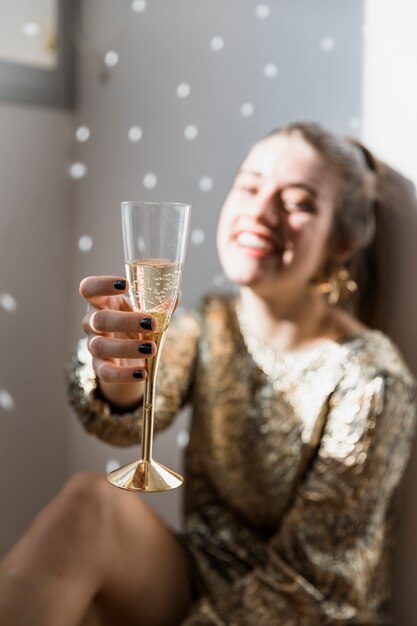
(183, 439)
(354, 123)
(85, 243)
(82, 134)
(135, 134)
(31, 29)
(262, 11)
(327, 44)
(217, 44)
(197, 237)
(183, 90)
(111, 465)
(138, 6)
(78, 170)
(6, 400)
(150, 181)
(205, 184)
(8, 302)
(270, 70)
(191, 132)
(111, 58)
(247, 109)
(219, 280)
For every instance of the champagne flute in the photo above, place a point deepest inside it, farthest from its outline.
(154, 240)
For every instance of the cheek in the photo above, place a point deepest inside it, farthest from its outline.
(310, 236)
(305, 226)
(223, 229)
(299, 221)
(225, 221)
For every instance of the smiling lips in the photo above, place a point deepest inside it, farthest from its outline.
(257, 243)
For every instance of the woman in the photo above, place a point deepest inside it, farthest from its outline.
(303, 416)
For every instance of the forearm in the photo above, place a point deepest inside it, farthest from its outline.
(95, 412)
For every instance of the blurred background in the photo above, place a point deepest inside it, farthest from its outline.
(110, 100)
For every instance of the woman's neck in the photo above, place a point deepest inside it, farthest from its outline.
(289, 323)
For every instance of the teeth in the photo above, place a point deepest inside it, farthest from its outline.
(250, 240)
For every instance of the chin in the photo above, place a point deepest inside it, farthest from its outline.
(248, 271)
(244, 278)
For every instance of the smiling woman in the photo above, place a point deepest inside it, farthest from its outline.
(281, 209)
(303, 417)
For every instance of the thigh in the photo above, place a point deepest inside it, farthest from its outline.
(145, 579)
(95, 546)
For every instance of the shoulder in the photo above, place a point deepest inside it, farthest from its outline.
(184, 334)
(373, 406)
(210, 305)
(218, 302)
(213, 313)
(370, 354)
(217, 312)
(376, 388)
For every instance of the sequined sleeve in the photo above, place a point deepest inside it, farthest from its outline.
(174, 382)
(321, 565)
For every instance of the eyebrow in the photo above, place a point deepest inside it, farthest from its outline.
(296, 184)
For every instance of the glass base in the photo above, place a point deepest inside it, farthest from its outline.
(145, 476)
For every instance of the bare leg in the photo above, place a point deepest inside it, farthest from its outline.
(95, 545)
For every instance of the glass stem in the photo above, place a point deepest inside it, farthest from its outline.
(147, 420)
(149, 397)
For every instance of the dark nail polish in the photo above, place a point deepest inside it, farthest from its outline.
(138, 374)
(146, 323)
(119, 284)
(145, 348)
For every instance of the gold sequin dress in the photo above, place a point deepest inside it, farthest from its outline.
(292, 468)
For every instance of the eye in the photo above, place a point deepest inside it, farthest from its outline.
(245, 188)
(248, 189)
(297, 204)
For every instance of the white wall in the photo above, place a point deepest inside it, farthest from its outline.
(390, 129)
(35, 145)
(390, 85)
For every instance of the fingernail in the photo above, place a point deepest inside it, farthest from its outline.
(119, 284)
(145, 348)
(138, 374)
(146, 323)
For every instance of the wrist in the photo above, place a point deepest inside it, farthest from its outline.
(122, 398)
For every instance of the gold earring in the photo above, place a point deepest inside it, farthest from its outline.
(337, 286)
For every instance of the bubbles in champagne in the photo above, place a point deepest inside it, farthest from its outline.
(154, 285)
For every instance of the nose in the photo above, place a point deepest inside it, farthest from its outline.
(266, 207)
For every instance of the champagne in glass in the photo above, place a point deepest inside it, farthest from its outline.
(154, 285)
(155, 237)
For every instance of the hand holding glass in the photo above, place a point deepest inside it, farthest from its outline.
(155, 239)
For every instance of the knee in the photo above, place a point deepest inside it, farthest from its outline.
(71, 526)
(89, 509)
(83, 506)
(87, 493)
(86, 486)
